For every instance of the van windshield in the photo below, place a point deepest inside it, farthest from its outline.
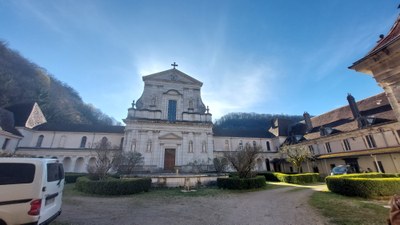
(16, 173)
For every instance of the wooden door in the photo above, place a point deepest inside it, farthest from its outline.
(169, 159)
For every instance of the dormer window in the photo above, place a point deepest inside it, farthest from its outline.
(297, 138)
(324, 131)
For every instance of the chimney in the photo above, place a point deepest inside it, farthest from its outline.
(353, 106)
(356, 113)
(307, 119)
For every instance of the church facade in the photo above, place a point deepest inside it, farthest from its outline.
(169, 124)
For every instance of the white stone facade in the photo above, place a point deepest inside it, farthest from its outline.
(170, 116)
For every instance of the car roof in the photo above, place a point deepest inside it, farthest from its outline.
(26, 160)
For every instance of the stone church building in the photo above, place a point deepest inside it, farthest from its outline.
(169, 125)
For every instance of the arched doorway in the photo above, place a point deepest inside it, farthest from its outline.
(67, 163)
(259, 165)
(79, 165)
(267, 165)
(92, 162)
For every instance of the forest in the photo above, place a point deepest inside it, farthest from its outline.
(248, 124)
(22, 81)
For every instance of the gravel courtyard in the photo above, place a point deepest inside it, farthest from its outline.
(286, 206)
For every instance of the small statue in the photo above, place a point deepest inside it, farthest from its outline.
(133, 104)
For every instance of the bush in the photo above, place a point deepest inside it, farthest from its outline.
(71, 177)
(302, 178)
(241, 183)
(112, 186)
(269, 176)
(364, 185)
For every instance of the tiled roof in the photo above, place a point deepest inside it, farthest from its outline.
(21, 113)
(80, 128)
(341, 119)
(393, 35)
(7, 122)
(360, 153)
(237, 132)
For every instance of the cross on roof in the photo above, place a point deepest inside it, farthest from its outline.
(174, 65)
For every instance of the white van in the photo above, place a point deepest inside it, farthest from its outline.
(30, 190)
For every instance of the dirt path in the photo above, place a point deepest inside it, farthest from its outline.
(286, 206)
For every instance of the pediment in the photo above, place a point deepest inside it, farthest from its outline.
(173, 76)
(170, 136)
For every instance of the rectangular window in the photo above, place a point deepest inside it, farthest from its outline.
(5, 143)
(55, 172)
(370, 141)
(328, 147)
(16, 173)
(346, 145)
(268, 146)
(171, 110)
(380, 167)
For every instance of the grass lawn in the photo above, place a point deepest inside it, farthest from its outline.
(345, 210)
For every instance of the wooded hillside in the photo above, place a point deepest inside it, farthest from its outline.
(22, 81)
(248, 124)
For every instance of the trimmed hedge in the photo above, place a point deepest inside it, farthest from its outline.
(269, 176)
(364, 185)
(301, 178)
(112, 186)
(71, 177)
(241, 183)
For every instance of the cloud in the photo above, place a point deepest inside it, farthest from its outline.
(240, 88)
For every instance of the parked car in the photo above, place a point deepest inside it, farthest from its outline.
(339, 170)
(31, 190)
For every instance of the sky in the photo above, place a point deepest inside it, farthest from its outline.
(262, 56)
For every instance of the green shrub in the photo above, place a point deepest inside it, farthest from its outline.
(112, 186)
(364, 185)
(269, 176)
(301, 178)
(71, 177)
(240, 184)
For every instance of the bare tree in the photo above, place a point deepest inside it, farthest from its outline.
(220, 164)
(243, 159)
(126, 162)
(105, 159)
(296, 155)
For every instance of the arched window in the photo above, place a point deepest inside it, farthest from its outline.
(204, 147)
(149, 143)
(226, 146)
(83, 142)
(62, 141)
(268, 146)
(190, 146)
(39, 141)
(133, 145)
(121, 144)
(104, 143)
